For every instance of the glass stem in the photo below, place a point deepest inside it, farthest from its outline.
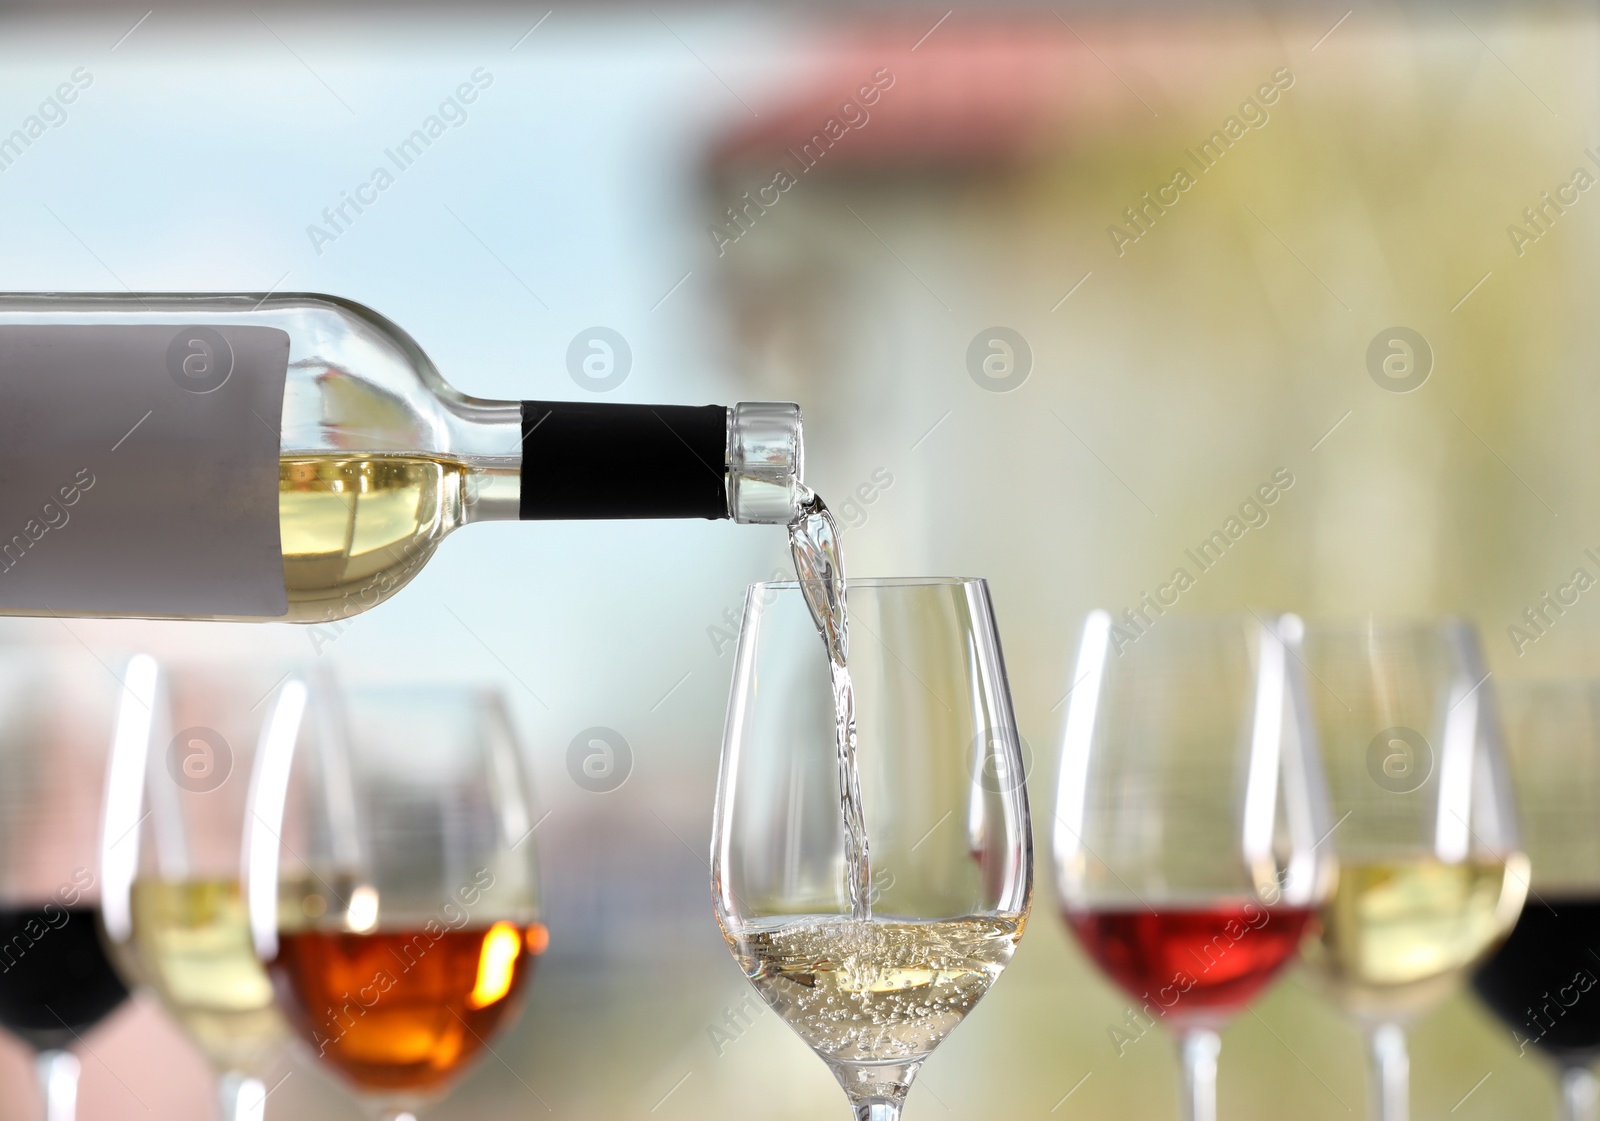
(58, 1084)
(878, 1109)
(1578, 1094)
(1389, 1072)
(243, 1098)
(1198, 1049)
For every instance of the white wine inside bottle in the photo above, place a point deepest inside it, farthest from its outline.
(142, 438)
(355, 530)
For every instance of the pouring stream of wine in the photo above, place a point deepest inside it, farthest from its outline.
(819, 565)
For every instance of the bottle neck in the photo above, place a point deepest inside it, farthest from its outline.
(584, 460)
(572, 461)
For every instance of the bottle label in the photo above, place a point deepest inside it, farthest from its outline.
(139, 470)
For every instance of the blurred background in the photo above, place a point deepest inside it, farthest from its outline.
(1058, 290)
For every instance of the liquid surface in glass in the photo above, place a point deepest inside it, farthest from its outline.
(405, 1009)
(192, 939)
(1202, 963)
(1397, 934)
(56, 981)
(1541, 981)
(880, 990)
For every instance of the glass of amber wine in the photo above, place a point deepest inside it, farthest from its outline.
(186, 734)
(1188, 815)
(392, 886)
(873, 980)
(1431, 871)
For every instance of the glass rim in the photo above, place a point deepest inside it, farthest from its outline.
(880, 582)
(1387, 624)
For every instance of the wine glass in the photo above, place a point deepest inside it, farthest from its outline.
(171, 862)
(1431, 872)
(57, 980)
(949, 844)
(392, 883)
(1539, 982)
(1188, 815)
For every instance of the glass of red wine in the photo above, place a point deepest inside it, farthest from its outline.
(57, 981)
(1544, 982)
(1189, 813)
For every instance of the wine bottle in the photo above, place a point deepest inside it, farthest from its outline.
(297, 457)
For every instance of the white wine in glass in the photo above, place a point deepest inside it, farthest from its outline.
(945, 808)
(1432, 873)
(187, 735)
(192, 940)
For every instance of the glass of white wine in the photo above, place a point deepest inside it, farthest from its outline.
(186, 737)
(873, 984)
(1432, 874)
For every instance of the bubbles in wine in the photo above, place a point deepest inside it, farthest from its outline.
(876, 992)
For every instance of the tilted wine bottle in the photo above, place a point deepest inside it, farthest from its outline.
(297, 457)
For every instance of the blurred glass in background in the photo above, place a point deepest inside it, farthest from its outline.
(1163, 310)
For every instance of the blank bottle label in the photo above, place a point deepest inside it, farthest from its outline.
(139, 470)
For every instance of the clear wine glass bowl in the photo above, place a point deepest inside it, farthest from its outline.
(942, 779)
(1540, 982)
(1189, 812)
(392, 885)
(57, 978)
(174, 816)
(1431, 870)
